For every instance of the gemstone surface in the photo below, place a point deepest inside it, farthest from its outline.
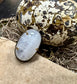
(28, 45)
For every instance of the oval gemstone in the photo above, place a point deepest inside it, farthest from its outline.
(27, 45)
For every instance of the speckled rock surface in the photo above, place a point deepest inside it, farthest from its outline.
(37, 71)
(55, 19)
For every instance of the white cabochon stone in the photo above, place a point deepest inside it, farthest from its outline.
(27, 45)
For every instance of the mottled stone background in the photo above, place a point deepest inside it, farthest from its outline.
(8, 8)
